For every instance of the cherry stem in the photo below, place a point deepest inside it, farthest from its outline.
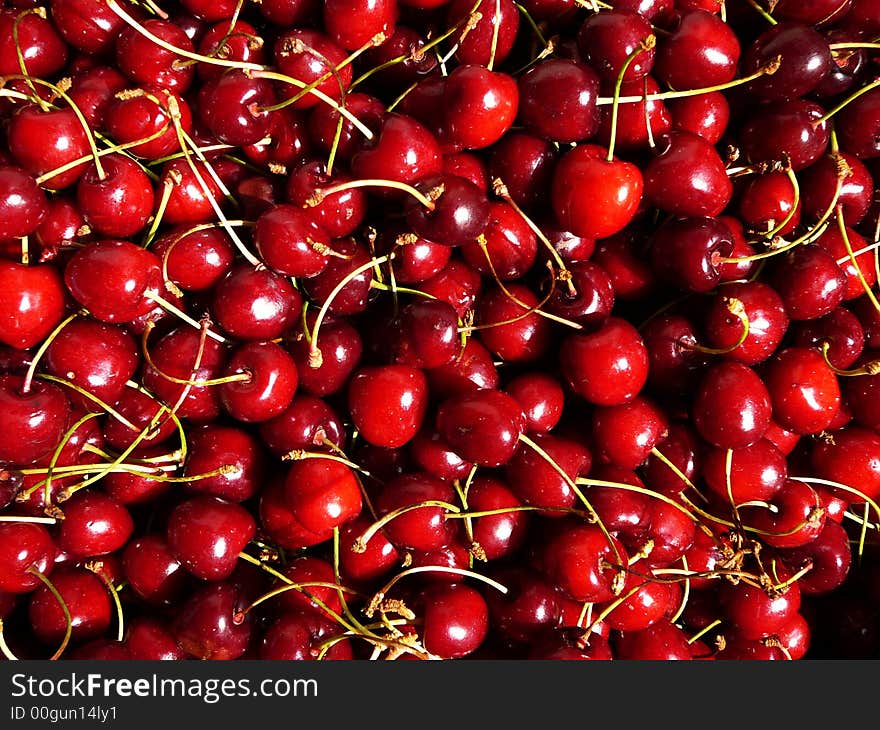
(317, 197)
(586, 481)
(97, 567)
(32, 368)
(177, 312)
(844, 234)
(869, 368)
(61, 602)
(315, 357)
(678, 472)
(41, 12)
(107, 408)
(852, 97)
(766, 70)
(4, 647)
(736, 308)
(796, 197)
(705, 630)
(763, 13)
(501, 190)
(686, 592)
(843, 487)
(302, 454)
(496, 28)
(646, 45)
(360, 544)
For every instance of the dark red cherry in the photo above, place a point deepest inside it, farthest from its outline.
(460, 210)
(498, 534)
(341, 350)
(33, 422)
(427, 334)
(27, 549)
(23, 204)
(322, 494)
(279, 524)
(138, 116)
(558, 100)
(796, 516)
(388, 403)
(31, 45)
(308, 55)
(483, 427)
(805, 60)
(112, 279)
(732, 406)
(94, 524)
(480, 105)
(456, 283)
(757, 472)
(687, 176)
(233, 107)
(298, 636)
(858, 125)
(339, 214)
(87, 26)
(194, 195)
(270, 385)
(195, 261)
(205, 628)
(152, 572)
(843, 333)
(456, 620)
(403, 151)
(646, 603)
(593, 297)
(662, 640)
(793, 128)
(608, 38)
(705, 115)
(476, 46)
(624, 435)
(379, 557)
(767, 322)
(119, 203)
(422, 527)
(829, 555)
(851, 460)
(290, 242)
(686, 252)
(206, 534)
(608, 367)
(541, 397)
(858, 268)
(701, 51)
(809, 281)
(818, 187)
(755, 612)
(524, 163)
(43, 141)
(433, 455)
(146, 62)
(254, 303)
(308, 423)
(473, 370)
(150, 639)
(682, 448)
(87, 601)
(538, 482)
(508, 247)
(353, 295)
(634, 117)
(507, 326)
(578, 559)
(224, 461)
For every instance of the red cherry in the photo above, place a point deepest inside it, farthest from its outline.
(480, 106)
(388, 403)
(32, 303)
(803, 389)
(456, 620)
(25, 548)
(483, 427)
(94, 524)
(578, 558)
(732, 406)
(33, 422)
(87, 601)
(322, 494)
(270, 386)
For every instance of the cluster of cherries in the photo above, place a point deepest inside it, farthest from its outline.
(430, 329)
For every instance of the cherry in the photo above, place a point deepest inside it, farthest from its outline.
(701, 51)
(322, 494)
(232, 107)
(858, 124)
(23, 204)
(151, 639)
(529, 609)
(687, 177)
(306, 424)
(88, 27)
(483, 426)
(805, 60)
(607, 38)
(673, 360)
(94, 524)
(809, 281)
(186, 355)
(480, 106)
(112, 278)
(508, 247)
(197, 260)
(145, 62)
(43, 51)
(279, 524)
(858, 267)
(87, 601)
(388, 403)
(558, 100)
(254, 303)
(819, 184)
(456, 283)
(354, 294)
(757, 472)
(206, 534)
(459, 214)
(427, 331)
(33, 421)
(732, 406)
(682, 448)
(269, 388)
(403, 151)
(136, 116)
(473, 370)
(662, 640)
(194, 192)
(476, 46)
(538, 482)
(706, 115)
(339, 214)
(830, 557)
(768, 203)
(795, 518)
(32, 302)
(431, 453)
(456, 620)
(43, 141)
(290, 242)
(499, 535)
(803, 390)
(593, 300)
(625, 434)
(649, 602)
(417, 64)
(341, 349)
(607, 367)
(579, 558)
(224, 461)
(508, 327)
(205, 628)
(379, 557)
(151, 570)
(524, 163)
(420, 527)
(633, 119)
(613, 189)
(850, 459)
(755, 612)
(767, 320)
(686, 252)
(27, 549)
(541, 398)
(793, 130)
(298, 635)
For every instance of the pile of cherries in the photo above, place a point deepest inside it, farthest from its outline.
(431, 329)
